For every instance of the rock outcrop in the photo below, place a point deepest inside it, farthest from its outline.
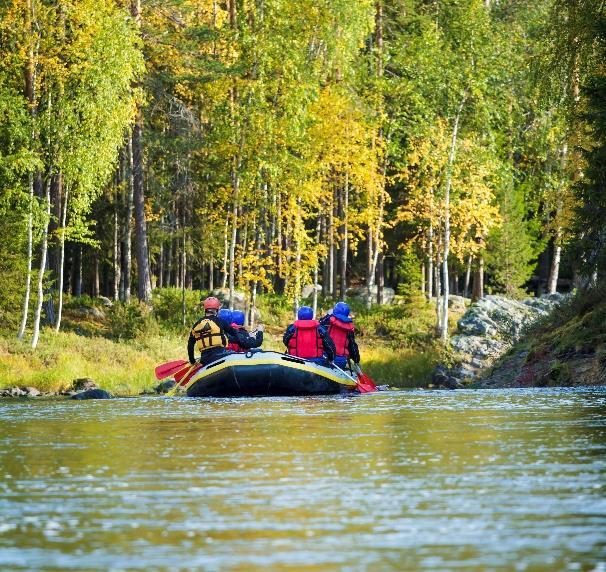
(486, 331)
(361, 293)
(239, 301)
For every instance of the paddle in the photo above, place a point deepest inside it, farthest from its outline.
(365, 381)
(169, 368)
(183, 376)
(361, 388)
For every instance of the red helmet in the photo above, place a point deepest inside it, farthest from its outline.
(212, 303)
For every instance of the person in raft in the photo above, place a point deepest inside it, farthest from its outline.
(341, 330)
(211, 334)
(237, 322)
(307, 339)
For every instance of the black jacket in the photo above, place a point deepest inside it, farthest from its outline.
(352, 346)
(253, 341)
(327, 344)
(238, 336)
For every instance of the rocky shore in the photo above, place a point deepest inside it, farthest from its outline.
(82, 388)
(486, 332)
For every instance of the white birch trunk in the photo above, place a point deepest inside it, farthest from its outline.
(445, 287)
(30, 240)
(43, 256)
(62, 260)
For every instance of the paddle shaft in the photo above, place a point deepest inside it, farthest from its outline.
(345, 373)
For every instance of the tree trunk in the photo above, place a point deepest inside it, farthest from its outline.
(344, 244)
(127, 223)
(369, 268)
(478, 281)
(430, 255)
(161, 266)
(436, 271)
(380, 277)
(61, 271)
(552, 286)
(43, 253)
(211, 274)
(315, 292)
(232, 246)
(144, 288)
(143, 275)
(95, 274)
(423, 277)
(467, 277)
(78, 281)
(30, 241)
(116, 250)
(30, 94)
(334, 276)
(183, 274)
(446, 250)
(225, 254)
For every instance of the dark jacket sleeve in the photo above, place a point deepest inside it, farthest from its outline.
(352, 346)
(325, 321)
(191, 343)
(247, 341)
(228, 329)
(288, 334)
(327, 343)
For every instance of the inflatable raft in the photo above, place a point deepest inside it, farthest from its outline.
(267, 374)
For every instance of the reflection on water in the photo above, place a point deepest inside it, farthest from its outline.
(467, 480)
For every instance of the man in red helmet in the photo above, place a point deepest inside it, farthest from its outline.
(211, 334)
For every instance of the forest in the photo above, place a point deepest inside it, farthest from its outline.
(262, 146)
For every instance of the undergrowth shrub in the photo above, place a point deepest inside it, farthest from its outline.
(130, 321)
(168, 307)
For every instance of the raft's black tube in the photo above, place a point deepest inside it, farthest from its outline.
(275, 379)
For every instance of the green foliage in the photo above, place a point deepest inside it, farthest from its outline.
(590, 222)
(410, 270)
(130, 321)
(168, 307)
(512, 250)
(408, 324)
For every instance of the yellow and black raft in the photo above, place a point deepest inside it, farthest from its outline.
(267, 374)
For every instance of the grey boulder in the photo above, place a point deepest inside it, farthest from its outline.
(92, 394)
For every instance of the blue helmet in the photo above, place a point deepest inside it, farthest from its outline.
(341, 312)
(226, 315)
(305, 313)
(238, 317)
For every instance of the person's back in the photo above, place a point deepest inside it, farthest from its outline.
(342, 332)
(307, 339)
(209, 334)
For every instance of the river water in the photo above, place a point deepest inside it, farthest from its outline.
(463, 480)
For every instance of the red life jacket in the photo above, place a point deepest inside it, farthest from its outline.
(306, 341)
(233, 346)
(339, 332)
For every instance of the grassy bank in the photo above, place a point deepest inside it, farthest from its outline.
(119, 347)
(123, 368)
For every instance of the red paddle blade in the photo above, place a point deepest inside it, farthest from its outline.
(194, 369)
(365, 383)
(169, 368)
(182, 376)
